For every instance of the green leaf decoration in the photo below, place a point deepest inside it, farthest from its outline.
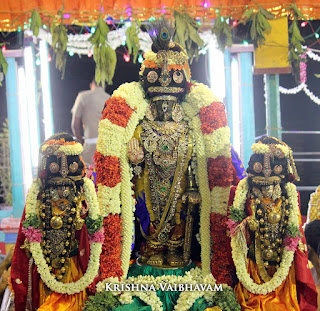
(236, 214)
(93, 225)
(104, 56)
(226, 300)
(258, 23)
(3, 64)
(222, 30)
(293, 231)
(317, 75)
(31, 221)
(35, 22)
(187, 34)
(59, 45)
(133, 40)
(295, 42)
(101, 302)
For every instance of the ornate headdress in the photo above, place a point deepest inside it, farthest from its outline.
(272, 161)
(56, 153)
(165, 69)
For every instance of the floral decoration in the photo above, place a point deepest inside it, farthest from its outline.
(240, 249)
(34, 237)
(69, 148)
(108, 170)
(117, 111)
(123, 203)
(221, 263)
(212, 117)
(220, 172)
(261, 148)
(32, 234)
(290, 243)
(110, 265)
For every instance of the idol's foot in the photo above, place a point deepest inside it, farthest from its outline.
(156, 260)
(174, 260)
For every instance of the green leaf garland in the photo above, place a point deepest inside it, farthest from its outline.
(295, 42)
(3, 64)
(35, 22)
(104, 56)
(187, 34)
(258, 23)
(59, 45)
(222, 30)
(133, 40)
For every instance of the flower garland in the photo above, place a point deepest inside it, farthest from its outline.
(72, 148)
(212, 144)
(36, 250)
(263, 149)
(200, 98)
(114, 175)
(185, 300)
(239, 247)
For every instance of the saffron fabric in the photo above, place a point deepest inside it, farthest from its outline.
(283, 298)
(14, 14)
(61, 302)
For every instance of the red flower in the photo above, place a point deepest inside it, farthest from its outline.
(212, 117)
(110, 262)
(108, 169)
(117, 111)
(220, 172)
(221, 262)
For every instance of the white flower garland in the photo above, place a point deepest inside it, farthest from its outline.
(185, 300)
(238, 244)
(36, 250)
(263, 149)
(74, 149)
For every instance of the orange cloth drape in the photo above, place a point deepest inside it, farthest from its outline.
(282, 299)
(14, 14)
(60, 302)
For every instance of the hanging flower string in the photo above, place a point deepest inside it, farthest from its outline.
(303, 68)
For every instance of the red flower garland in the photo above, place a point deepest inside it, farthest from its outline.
(220, 172)
(212, 117)
(110, 262)
(221, 261)
(108, 169)
(117, 111)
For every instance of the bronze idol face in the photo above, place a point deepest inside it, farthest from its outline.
(157, 82)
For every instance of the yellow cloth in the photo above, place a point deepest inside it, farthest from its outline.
(274, 52)
(284, 298)
(63, 302)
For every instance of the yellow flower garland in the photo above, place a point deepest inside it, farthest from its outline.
(208, 145)
(262, 149)
(240, 249)
(74, 149)
(36, 250)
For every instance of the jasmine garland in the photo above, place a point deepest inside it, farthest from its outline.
(181, 287)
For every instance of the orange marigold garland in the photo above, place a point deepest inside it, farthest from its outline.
(108, 170)
(212, 117)
(110, 262)
(221, 261)
(117, 111)
(220, 172)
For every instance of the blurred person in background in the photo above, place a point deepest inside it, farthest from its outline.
(86, 114)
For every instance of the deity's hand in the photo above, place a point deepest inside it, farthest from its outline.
(192, 197)
(135, 151)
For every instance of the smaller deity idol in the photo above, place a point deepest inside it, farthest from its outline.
(268, 246)
(50, 266)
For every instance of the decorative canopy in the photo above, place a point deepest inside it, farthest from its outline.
(15, 14)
